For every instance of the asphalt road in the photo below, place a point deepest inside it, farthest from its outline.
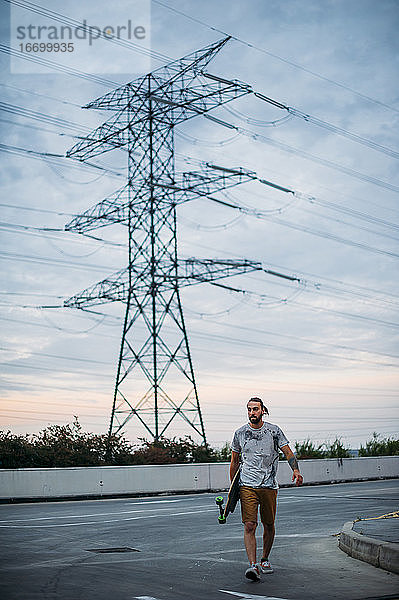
(182, 553)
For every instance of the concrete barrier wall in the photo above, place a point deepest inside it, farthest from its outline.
(18, 484)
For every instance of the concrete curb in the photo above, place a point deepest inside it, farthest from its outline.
(378, 553)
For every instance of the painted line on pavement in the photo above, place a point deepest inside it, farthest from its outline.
(244, 596)
(193, 512)
(107, 514)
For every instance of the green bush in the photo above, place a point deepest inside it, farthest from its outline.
(307, 449)
(63, 446)
(378, 446)
(163, 451)
(336, 449)
(69, 446)
(16, 451)
(224, 454)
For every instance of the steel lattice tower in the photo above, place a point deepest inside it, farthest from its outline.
(146, 112)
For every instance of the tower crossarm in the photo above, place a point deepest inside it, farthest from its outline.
(171, 95)
(114, 209)
(101, 214)
(117, 287)
(168, 109)
(214, 178)
(180, 71)
(176, 105)
(115, 133)
(207, 270)
(114, 288)
(108, 136)
(188, 185)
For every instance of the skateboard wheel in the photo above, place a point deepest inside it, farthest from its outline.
(219, 500)
(222, 520)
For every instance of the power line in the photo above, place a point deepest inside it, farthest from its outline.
(330, 236)
(53, 261)
(279, 58)
(57, 66)
(61, 357)
(259, 137)
(96, 267)
(253, 343)
(315, 420)
(49, 156)
(343, 287)
(364, 200)
(47, 231)
(18, 89)
(41, 116)
(354, 137)
(58, 17)
(259, 214)
(319, 214)
(352, 212)
(38, 412)
(321, 391)
(25, 229)
(294, 112)
(21, 365)
(302, 339)
(41, 129)
(41, 210)
(48, 420)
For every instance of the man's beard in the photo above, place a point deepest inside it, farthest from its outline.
(255, 420)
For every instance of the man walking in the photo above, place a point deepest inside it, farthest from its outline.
(255, 448)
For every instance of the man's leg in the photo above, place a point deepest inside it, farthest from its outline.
(250, 540)
(249, 511)
(268, 502)
(268, 538)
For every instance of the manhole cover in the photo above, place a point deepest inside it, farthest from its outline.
(108, 550)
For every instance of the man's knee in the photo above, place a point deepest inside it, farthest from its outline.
(250, 526)
(269, 528)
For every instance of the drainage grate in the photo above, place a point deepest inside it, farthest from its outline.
(109, 550)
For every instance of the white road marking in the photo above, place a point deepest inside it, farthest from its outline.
(192, 512)
(244, 596)
(72, 516)
(143, 502)
(76, 561)
(301, 535)
(241, 595)
(85, 516)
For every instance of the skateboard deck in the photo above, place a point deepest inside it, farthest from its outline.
(232, 498)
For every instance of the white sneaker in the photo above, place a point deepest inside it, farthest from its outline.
(265, 566)
(253, 572)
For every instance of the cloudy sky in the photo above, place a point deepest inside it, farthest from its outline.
(323, 353)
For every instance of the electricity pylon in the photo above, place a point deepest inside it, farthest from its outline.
(154, 346)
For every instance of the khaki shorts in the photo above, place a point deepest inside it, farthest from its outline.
(252, 498)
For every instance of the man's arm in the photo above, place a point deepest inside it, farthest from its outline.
(292, 461)
(234, 464)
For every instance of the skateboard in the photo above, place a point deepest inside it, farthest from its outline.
(232, 498)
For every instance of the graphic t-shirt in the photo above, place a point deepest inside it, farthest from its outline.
(258, 449)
